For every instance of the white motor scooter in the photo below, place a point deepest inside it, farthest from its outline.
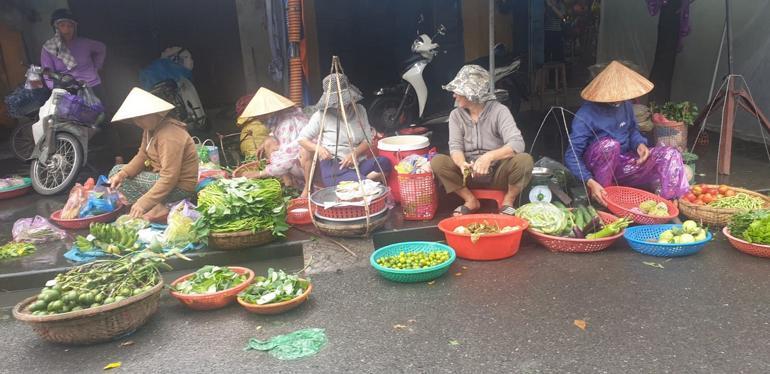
(403, 105)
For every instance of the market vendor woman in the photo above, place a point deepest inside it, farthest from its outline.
(335, 154)
(607, 147)
(486, 149)
(165, 169)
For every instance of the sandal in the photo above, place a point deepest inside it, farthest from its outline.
(507, 209)
(463, 210)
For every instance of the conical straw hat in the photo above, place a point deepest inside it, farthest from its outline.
(140, 103)
(616, 83)
(265, 102)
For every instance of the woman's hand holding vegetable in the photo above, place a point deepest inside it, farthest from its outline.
(117, 179)
(136, 211)
(597, 191)
(481, 165)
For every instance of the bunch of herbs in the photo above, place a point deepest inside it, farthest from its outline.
(210, 279)
(275, 288)
(243, 204)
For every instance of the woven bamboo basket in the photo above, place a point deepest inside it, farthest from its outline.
(245, 169)
(93, 325)
(239, 240)
(716, 217)
(353, 229)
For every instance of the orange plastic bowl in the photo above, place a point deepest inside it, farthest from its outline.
(488, 247)
(84, 223)
(214, 300)
(277, 308)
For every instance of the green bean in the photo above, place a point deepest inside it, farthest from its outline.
(739, 201)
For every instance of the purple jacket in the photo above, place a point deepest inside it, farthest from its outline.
(593, 121)
(89, 55)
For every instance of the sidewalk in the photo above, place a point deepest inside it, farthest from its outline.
(703, 313)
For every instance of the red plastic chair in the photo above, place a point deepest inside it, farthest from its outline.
(487, 194)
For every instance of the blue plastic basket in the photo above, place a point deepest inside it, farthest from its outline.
(640, 237)
(412, 275)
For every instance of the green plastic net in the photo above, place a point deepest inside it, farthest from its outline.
(298, 344)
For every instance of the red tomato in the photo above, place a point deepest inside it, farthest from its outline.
(698, 202)
(697, 191)
(691, 197)
(704, 187)
(723, 188)
(730, 193)
(707, 198)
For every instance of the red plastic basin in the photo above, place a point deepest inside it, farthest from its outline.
(487, 247)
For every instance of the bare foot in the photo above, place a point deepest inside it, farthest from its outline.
(157, 214)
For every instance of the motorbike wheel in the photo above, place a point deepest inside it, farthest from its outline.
(60, 170)
(384, 117)
(22, 141)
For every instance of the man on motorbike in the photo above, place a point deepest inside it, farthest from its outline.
(165, 169)
(334, 151)
(80, 57)
(486, 149)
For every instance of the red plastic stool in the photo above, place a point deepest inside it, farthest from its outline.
(485, 194)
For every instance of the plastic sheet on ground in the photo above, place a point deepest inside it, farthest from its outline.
(298, 344)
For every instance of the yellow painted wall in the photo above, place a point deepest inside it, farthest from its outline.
(476, 28)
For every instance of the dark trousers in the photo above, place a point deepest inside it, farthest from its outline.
(554, 46)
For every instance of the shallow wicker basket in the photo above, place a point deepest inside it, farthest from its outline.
(93, 325)
(239, 240)
(574, 245)
(240, 171)
(277, 308)
(716, 217)
(758, 250)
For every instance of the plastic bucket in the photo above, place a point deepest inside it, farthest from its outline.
(395, 149)
(487, 247)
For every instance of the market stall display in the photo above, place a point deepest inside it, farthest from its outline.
(88, 203)
(626, 201)
(243, 212)
(749, 232)
(759, 250)
(96, 302)
(346, 202)
(393, 261)
(646, 240)
(492, 246)
(14, 187)
(715, 204)
(398, 148)
(276, 293)
(609, 229)
(211, 287)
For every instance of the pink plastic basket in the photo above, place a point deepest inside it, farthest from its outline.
(574, 245)
(758, 250)
(621, 201)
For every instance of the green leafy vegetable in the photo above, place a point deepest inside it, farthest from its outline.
(16, 249)
(758, 231)
(739, 222)
(543, 217)
(275, 288)
(210, 279)
(243, 204)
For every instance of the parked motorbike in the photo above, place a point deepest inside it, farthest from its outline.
(68, 119)
(403, 104)
(169, 78)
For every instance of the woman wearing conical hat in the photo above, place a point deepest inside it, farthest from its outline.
(284, 121)
(165, 168)
(335, 153)
(607, 147)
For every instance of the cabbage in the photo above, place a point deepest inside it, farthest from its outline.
(543, 217)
